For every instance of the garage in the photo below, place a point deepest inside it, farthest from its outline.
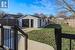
(27, 22)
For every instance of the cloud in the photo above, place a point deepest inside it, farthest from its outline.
(43, 4)
(37, 6)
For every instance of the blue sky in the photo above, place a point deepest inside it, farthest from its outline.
(31, 6)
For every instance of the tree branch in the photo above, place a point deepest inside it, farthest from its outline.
(68, 7)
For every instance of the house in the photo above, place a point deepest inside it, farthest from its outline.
(11, 16)
(60, 19)
(28, 20)
(9, 19)
(33, 21)
(70, 21)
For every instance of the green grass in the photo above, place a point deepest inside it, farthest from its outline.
(66, 42)
(47, 36)
(67, 29)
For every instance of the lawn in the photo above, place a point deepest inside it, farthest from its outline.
(66, 42)
(47, 36)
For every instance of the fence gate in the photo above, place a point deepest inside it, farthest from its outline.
(10, 38)
(59, 36)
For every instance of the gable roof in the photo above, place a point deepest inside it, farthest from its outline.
(41, 17)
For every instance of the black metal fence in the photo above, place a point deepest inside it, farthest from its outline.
(58, 37)
(9, 37)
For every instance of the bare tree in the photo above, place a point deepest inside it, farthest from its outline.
(51, 16)
(36, 14)
(40, 15)
(19, 14)
(61, 14)
(2, 13)
(66, 5)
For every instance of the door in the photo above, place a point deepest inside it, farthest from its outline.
(40, 22)
(32, 22)
(25, 23)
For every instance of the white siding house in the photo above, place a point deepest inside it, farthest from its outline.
(33, 21)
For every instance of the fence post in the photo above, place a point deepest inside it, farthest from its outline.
(2, 35)
(26, 43)
(70, 44)
(58, 38)
(15, 38)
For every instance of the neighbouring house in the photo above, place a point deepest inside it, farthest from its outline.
(11, 16)
(71, 21)
(33, 21)
(28, 20)
(10, 19)
(59, 20)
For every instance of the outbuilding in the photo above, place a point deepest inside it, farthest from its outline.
(32, 21)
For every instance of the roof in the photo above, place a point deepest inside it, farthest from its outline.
(11, 16)
(42, 17)
(14, 16)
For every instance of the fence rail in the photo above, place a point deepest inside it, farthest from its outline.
(10, 36)
(58, 37)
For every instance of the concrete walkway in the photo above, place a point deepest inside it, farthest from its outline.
(30, 29)
(33, 45)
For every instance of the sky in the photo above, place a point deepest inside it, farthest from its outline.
(31, 6)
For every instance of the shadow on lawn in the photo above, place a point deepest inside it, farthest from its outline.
(53, 26)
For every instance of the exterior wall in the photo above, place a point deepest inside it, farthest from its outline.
(35, 21)
(36, 24)
(20, 22)
(71, 22)
(44, 22)
(60, 18)
(9, 22)
(39, 23)
(30, 17)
